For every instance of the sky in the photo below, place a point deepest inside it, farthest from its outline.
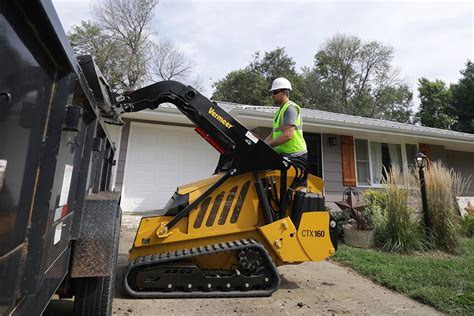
(431, 39)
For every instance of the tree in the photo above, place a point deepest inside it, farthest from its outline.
(242, 86)
(90, 39)
(335, 65)
(355, 77)
(120, 41)
(251, 84)
(435, 99)
(397, 101)
(348, 76)
(320, 92)
(127, 22)
(462, 105)
(273, 64)
(168, 63)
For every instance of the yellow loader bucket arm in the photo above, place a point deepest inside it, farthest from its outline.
(224, 236)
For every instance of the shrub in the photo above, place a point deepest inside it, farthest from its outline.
(374, 197)
(358, 217)
(341, 218)
(394, 223)
(467, 226)
(442, 186)
(375, 209)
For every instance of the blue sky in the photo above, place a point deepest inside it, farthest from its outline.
(432, 39)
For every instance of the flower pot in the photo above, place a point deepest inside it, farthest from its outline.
(358, 238)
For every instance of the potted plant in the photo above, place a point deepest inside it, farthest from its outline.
(359, 232)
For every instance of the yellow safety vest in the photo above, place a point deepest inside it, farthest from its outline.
(297, 142)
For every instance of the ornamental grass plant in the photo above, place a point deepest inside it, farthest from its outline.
(442, 187)
(393, 217)
(467, 226)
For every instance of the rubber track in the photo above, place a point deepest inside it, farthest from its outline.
(200, 251)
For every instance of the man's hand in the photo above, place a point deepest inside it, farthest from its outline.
(287, 134)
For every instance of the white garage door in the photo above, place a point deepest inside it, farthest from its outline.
(159, 159)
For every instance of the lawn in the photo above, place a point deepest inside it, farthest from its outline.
(443, 281)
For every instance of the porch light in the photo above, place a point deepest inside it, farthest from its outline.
(420, 159)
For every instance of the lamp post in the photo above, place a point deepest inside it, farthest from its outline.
(420, 159)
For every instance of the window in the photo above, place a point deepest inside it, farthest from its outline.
(374, 159)
(411, 151)
(384, 156)
(362, 162)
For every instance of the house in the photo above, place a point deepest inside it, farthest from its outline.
(159, 150)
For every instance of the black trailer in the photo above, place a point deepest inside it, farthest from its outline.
(59, 222)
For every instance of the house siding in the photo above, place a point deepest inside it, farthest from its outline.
(462, 162)
(459, 161)
(438, 153)
(332, 164)
(332, 168)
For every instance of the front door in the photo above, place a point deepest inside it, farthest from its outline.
(313, 142)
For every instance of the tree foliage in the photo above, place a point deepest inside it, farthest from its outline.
(448, 107)
(89, 39)
(251, 85)
(127, 23)
(355, 77)
(435, 98)
(242, 86)
(119, 38)
(348, 76)
(462, 105)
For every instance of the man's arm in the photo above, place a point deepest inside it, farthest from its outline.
(285, 136)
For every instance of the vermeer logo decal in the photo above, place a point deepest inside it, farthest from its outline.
(219, 118)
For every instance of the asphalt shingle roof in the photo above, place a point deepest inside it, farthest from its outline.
(339, 120)
(352, 120)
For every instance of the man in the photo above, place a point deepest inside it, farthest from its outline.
(287, 135)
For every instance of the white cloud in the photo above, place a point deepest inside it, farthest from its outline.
(72, 12)
(431, 38)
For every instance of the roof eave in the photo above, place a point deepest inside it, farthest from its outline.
(266, 116)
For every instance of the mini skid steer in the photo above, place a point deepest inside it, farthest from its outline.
(225, 235)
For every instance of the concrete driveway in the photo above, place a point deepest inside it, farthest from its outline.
(307, 289)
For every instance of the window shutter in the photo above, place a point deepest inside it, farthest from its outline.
(425, 148)
(348, 161)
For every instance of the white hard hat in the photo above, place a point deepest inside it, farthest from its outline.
(281, 83)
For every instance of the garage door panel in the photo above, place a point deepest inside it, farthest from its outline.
(159, 159)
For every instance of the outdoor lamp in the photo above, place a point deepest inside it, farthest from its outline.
(420, 159)
(420, 163)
